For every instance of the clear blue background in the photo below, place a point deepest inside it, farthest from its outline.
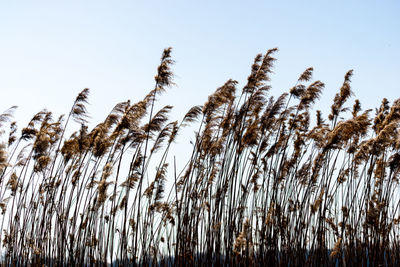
(51, 50)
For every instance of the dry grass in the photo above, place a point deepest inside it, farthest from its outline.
(263, 184)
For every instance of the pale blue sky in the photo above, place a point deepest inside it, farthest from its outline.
(50, 50)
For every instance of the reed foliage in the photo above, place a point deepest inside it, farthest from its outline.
(267, 182)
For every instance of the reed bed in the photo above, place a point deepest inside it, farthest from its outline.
(269, 182)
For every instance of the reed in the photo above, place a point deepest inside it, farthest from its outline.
(264, 183)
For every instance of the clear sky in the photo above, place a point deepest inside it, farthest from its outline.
(51, 50)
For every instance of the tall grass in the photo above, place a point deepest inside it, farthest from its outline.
(266, 182)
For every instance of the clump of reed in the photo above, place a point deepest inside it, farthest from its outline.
(265, 183)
